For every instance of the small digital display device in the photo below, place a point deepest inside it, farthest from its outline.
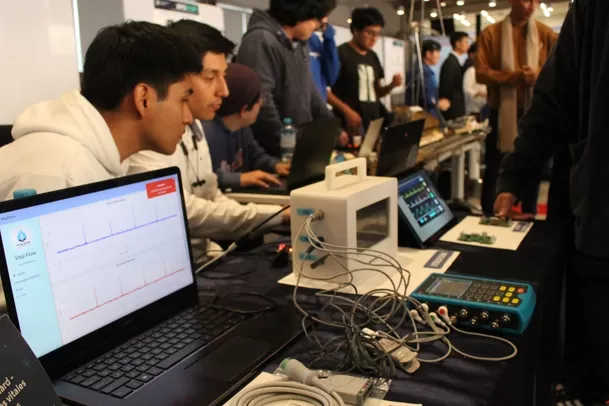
(479, 303)
(424, 215)
(372, 224)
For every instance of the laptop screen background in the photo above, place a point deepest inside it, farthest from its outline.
(81, 263)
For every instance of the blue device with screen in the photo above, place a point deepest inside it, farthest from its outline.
(481, 303)
(424, 215)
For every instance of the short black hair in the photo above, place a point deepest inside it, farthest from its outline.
(292, 12)
(473, 48)
(122, 56)
(203, 37)
(430, 46)
(456, 37)
(365, 17)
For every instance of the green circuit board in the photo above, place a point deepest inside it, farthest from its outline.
(495, 221)
(482, 238)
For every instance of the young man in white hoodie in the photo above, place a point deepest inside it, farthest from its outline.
(211, 215)
(135, 87)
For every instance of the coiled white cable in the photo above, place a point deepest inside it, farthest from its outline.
(305, 386)
(271, 392)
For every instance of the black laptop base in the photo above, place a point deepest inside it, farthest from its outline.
(180, 362)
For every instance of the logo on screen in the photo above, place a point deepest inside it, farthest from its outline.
(21, 237)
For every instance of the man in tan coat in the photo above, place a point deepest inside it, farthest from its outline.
(511, 54)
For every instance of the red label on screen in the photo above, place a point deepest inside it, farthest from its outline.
(160, 188)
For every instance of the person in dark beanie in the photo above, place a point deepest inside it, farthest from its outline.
(275, 47)
(237, 159)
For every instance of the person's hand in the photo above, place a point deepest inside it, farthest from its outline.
(343, 139)
(353, 118)
(283, 168)
(397, 80)
(287, 215)
(530, 76)
(444, 104)
(504, 208)
(259, 178)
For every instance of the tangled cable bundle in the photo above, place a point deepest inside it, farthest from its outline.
(369, 328)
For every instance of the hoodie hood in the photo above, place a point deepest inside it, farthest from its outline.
(73, 116)
(262, 20)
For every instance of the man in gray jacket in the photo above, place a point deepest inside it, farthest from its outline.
(275, 47)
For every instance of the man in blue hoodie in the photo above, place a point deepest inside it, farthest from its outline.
(275, 47)
(325, 63)
(236, 157)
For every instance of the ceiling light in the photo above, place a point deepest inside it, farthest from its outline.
(457, 17)
(484, 13)
(443, 4)
(466, 23)
(400, 11)
(460, 3)
(349, 20)
(433, 14)
(490, 20)
(546, 13)
(550, 9)
(543, 6)
(492, 4)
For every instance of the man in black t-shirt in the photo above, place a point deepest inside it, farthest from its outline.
(356, 94)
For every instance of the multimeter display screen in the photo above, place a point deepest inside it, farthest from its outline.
(449, 287)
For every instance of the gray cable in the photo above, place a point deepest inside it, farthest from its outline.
(384, 310)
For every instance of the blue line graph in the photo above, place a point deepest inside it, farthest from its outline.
(114, 234)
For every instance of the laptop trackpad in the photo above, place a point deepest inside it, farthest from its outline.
(231, 359)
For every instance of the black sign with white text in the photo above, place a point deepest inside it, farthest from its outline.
(23, 382)
(177, 6)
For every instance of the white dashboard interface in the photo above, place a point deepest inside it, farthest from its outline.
(78, 264)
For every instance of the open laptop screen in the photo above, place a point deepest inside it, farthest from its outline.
(78, 264)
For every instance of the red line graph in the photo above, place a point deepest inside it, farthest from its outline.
(123, 294)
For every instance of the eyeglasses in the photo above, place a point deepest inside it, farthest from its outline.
(372, 33)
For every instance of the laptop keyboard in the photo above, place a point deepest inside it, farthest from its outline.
(138, 362)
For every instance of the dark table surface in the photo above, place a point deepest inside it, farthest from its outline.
(456, 381)
(525, 380)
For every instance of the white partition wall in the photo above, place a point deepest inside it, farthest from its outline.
(394, 62)
(343, 35)
(37, 39)
(96, 14)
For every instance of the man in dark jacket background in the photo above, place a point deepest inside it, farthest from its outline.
(569, 110)
(275, 47)
(451, 76)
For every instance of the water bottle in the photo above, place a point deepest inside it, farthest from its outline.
(288, 140)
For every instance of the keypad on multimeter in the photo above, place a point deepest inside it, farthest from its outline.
(495, 293)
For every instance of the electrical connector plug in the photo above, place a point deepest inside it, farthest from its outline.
(443, 312)
(436, 320)
(417, 317)
(317, 215)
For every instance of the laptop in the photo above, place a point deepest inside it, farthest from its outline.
(399, 149)
(316, 141)
(372, 136)
(99, 280)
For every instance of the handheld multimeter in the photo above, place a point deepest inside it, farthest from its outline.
(480, 302)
